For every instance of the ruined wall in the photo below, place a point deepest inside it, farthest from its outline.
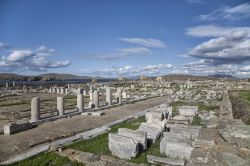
(241, 107)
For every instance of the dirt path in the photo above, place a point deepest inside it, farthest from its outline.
(20, 142)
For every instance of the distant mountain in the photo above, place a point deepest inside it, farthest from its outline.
(224, 76)
(45, 77)
(183, 77)
(11, 76)
(55, 76)
(198, 78)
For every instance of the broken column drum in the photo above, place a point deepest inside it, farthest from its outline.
(80, 102)
(96, 99)
(108, 96)
(60, 106)
(35, 109)
(119, 92)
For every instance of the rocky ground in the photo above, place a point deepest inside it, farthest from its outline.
(226, 141)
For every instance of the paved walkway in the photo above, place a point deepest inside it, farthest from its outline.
(20, 142)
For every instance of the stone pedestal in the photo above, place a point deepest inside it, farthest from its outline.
(35, 109)
(60, 106)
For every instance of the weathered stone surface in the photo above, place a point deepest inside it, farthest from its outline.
(212, 123)
(153, 131)
(179, 119)
(154, 115)
(184, 131)
(139, 136)
(12, 128)
(163, 160)
(112, 161)
(176, 148)
(234, 160)
(188, 110)
(123, 147)
(205, 138)
(237, 133)
(85, 158)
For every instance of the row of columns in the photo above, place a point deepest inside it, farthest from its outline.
(35, 102)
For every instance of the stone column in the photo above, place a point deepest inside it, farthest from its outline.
(14, 83)
(79, 91)
(62, 90)
(90, 99)
(84, 93)
(80, 105)
(108, 96)
(57, 90)
(35, 109)
(119, 94)
(96, 99)
(6, 85)
(66, 91)
(60, 106)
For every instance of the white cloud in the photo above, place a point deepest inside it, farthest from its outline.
(133, 71)
(134, 50)
(207, 67)
(120, 53)
(231, 13)
(153, 43)
(28, 60)
(45, 51)
(197, 1)
(19, 55)
(3, 46)
(228, 45)
(215, 31)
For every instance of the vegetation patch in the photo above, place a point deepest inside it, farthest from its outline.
(47, 159)
(197, 121)
(99, 144)
(241, 105)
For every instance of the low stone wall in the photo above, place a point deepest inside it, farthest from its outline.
(240, 107)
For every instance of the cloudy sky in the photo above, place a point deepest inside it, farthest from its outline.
(125, 37)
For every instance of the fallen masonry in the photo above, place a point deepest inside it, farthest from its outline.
(139, 136)
(15, 127)
(166, 161)
(176, 148)
(123, 147)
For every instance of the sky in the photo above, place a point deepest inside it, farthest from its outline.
(128, 38)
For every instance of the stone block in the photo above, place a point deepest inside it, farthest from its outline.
(12, 128)
(139, 136)
(153, 131)
(123, 147)
(176, 148)
(154, 115)
(188, 110)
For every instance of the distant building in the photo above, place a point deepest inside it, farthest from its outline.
(143, 78)
(159, 79)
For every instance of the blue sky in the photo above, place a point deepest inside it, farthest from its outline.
(125, 37)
